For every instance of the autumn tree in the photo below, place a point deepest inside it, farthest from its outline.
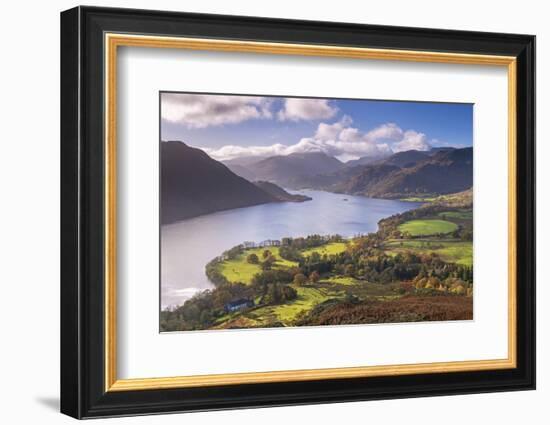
(267, 264)
(300, 279)
(253, 259)
(314, 276)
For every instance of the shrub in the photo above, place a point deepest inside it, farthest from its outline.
(314, 277)
(300, 279)
(253, 259)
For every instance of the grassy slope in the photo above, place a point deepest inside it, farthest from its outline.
(451, 251)
(427, 227)
(285, 314)
(329, 249)
(240, 270)
(341, 280)
(308, 297)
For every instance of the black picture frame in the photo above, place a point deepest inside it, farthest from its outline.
(83, 392)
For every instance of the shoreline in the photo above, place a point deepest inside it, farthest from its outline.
(348, 238)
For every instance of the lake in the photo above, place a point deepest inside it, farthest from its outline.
(187, 246)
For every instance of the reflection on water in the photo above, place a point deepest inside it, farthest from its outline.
(187, 246)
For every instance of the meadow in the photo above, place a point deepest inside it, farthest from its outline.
(427, 227)
(452, 251)
(240, 270)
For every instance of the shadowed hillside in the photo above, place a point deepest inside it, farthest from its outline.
(193, 184)
(288, 170)
(444, 172)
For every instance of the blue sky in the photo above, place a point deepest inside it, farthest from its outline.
(232, 126)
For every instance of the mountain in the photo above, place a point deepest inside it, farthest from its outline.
(366, 160)
(241, 165)
(333, 181)
(245, 161)
(193, 184)
(279, 193)
(435, 150)
(406, 159)
(447, 171)
(289, 170)
(367, 178)
(241, 170)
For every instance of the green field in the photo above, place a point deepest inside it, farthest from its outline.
(240, 270)
(285, 314)
(334, 286)
(451, 251)
(329, 249)
(427, 227)
(341, 280)
(308, 297)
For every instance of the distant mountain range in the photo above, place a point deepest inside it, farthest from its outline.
(437, 171)
(288, 170)
(194, 184)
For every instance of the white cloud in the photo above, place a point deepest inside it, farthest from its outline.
(337, 139)
(444, 144)
(412, 140)
(306, 109)
(332, 131)
(199, 111)
(388, 131)
(232, 151)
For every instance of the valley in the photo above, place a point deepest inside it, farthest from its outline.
(284, 211)
(307, 240)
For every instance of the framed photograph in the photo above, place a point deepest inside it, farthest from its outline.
(261, 212)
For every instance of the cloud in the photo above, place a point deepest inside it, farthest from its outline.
(306, 110)
(412, 140)
(388, 131)
(233, 151)
(333, 131)
(199, 111)
(337, 139)
(441, 143)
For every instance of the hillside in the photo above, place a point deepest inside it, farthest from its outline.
(366, 160)
(193, 184)
(447, 171)
(367, 179)
(463, 199)
(401, 175)
(407, 159)
(348, 178)
(240, 170)
(279, 193)
(289, 170)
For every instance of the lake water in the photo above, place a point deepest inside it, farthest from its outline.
(187, 246)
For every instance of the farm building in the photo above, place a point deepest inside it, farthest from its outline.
(238, 305)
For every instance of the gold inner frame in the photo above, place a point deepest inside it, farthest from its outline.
(113, 41)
